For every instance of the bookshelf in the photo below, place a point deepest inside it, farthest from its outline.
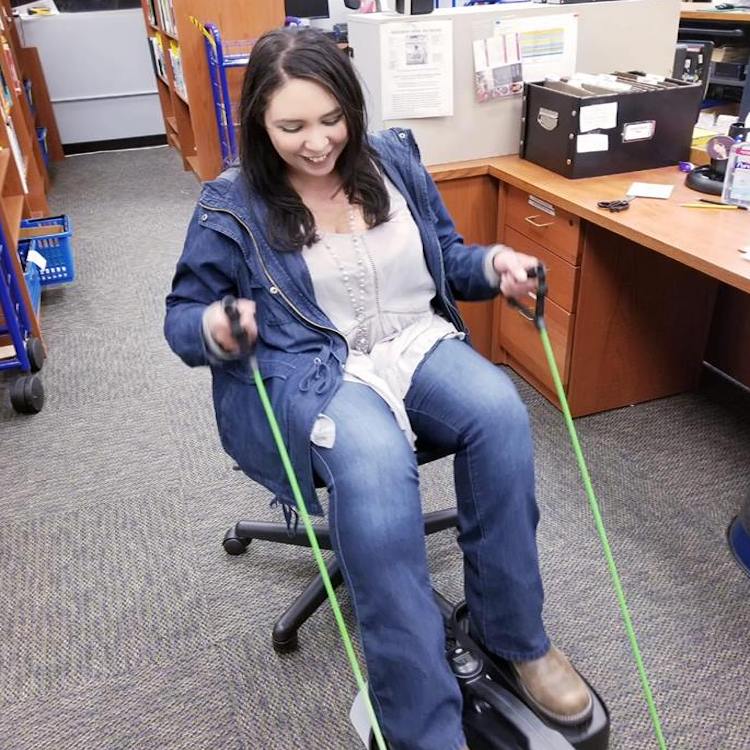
(24, 177)
(181, 70)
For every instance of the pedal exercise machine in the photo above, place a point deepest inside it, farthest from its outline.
(495, 715)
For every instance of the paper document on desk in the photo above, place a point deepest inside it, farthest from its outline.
(650, 190)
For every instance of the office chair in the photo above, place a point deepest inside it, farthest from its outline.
(237, 538)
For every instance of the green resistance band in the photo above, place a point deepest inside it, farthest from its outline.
(316, 551)
(538, 318)
(229, 305)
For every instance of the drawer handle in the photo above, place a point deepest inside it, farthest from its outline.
(537, 224)
(522, 311)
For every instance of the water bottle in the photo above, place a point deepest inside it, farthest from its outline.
(736, 189)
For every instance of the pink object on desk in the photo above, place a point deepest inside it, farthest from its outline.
(368, 6)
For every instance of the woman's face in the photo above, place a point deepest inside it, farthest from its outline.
(307, 127)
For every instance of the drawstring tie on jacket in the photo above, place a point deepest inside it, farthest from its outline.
(320, 375)
(291, 516)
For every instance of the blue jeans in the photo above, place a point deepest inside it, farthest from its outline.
(461, 402)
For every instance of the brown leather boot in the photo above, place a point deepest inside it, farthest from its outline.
(554, 688)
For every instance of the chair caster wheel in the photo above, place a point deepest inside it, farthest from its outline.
(285, 646)
(234, 542)
(234, 545)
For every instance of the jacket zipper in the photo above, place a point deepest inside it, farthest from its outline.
(274, 285)
(457, 320)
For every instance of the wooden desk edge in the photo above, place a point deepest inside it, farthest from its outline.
(608, 221)
(459, 170)
(604, 219)
(691, 14)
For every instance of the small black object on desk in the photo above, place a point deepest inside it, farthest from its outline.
(617, 205)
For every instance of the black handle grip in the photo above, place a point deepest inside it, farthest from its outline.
(537, 314)
(229, 304)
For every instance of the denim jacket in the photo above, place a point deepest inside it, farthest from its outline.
(300, 353)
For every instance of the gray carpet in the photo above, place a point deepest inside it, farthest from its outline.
(125, 626)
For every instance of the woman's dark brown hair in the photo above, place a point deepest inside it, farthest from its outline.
(310, 55)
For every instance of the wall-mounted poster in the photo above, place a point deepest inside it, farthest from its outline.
(417, 69)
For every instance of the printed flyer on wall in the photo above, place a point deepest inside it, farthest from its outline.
(417, 69)
(548, 44)
(497, 67)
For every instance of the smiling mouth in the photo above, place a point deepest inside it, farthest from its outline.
(317, 159)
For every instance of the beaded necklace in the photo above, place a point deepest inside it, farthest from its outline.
(361, 342)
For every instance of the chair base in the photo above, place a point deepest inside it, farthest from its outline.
(285, 632)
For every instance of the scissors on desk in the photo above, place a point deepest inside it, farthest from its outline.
(617, 205)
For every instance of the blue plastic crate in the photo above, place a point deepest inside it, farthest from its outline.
(56, 249)
(34, 283)
(41, 136)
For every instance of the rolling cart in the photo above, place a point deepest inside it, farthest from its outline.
(26, 391)
(223, 55)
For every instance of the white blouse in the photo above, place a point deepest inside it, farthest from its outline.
(385, 274)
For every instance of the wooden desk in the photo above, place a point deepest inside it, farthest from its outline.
(705, 240)
(706, 12)
(635, 291)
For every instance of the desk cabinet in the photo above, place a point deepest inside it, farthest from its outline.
(626, 324)
(628, 319)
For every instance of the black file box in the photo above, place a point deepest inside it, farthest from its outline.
(642, 129)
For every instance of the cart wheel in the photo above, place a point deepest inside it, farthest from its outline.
(37, 355)
(27, 394)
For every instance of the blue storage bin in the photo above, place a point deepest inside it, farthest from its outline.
(33, 282)
(41, 136)
(56, 249)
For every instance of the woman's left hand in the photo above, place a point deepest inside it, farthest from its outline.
(512, 269)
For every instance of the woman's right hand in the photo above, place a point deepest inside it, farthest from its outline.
(220, 329)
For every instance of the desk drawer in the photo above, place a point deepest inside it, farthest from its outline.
(560, 233)
(521, 340)
(561, 276)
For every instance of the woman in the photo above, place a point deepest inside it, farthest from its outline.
(346, 264)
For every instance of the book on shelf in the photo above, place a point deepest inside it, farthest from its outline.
(177, 75)
(166, 12)
(15, 81)
(6, 98)
(157, 55)
(151, 9)
(15, 148)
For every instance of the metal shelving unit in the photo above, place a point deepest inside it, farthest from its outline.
(721, 33)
